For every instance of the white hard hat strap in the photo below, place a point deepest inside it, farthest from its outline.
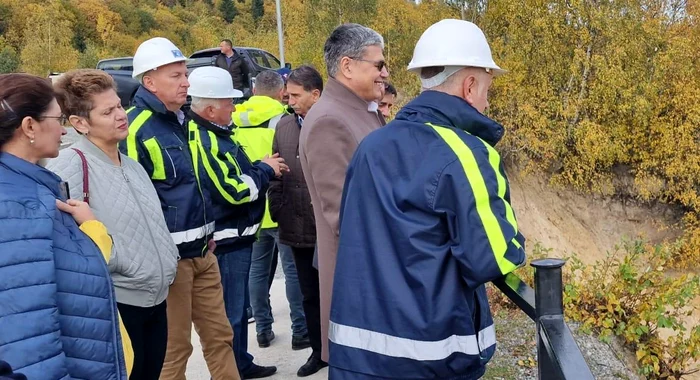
(441, 77)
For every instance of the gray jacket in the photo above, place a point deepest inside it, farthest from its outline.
(144, 256)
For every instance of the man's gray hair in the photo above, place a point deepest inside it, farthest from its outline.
(348, 40)
(269, 83)
(198, 104)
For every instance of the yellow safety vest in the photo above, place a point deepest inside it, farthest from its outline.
(255, 122)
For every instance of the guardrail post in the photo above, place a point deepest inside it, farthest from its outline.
(548, 302)
(548, 287)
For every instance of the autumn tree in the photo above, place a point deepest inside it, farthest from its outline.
(5, 17)
(47, 47)
(9, 59)
(257, 10)
(228, 10)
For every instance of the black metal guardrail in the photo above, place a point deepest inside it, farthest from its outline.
(558, 355)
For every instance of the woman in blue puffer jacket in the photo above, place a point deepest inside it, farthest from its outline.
(58, 316)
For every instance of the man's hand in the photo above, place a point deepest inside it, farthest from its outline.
(277, 164)
(79, 210)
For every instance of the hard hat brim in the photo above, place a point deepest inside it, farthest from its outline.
(495, 69)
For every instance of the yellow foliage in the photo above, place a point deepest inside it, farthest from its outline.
(628, 295)
(47, 45)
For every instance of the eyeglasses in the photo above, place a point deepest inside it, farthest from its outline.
(380, 65)
(61, 119)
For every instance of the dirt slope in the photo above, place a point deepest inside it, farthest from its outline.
(569, 222)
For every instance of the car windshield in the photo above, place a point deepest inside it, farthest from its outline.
(274, 62)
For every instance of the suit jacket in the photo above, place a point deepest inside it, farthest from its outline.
(333, 129)
(290, 202)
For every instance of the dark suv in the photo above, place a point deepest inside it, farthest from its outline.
(120, 69)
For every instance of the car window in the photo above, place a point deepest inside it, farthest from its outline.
(274, 62)
(206, 53)
(117, 64)
(258, 57)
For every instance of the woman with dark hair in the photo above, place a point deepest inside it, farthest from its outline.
(144, 257)
(58, 315)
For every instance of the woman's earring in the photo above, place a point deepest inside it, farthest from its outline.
(31, 141)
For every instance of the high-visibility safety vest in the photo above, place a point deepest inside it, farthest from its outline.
(426, 221)
(170, 154)
(255, 122)
(237, 186)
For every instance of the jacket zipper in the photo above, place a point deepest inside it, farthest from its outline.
(171, 163)
(150, 232)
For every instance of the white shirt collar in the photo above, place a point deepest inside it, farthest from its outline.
(372, 106)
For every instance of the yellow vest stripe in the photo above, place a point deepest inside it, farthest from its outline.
(133, 130)
(156, 155)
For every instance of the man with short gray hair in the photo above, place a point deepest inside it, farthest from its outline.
(333, 128)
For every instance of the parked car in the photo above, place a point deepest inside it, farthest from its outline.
(120, 69)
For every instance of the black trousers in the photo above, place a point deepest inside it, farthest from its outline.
(148, 330)
(308, 281)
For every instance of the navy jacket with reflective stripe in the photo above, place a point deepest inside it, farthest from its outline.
(163, 147)
(425, 222)
(238, 186)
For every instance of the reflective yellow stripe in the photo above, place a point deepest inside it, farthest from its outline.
(130, 109)
(133, 129)
(497, 240)
(156, 155)
(495, 161)
(240, 187)
(193, 142)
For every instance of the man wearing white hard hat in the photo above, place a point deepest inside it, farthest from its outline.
(426, 221)
(160, 141)
(238, 187)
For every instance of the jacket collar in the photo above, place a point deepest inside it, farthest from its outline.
(341, 93)
(204, 123)
(450, 111)
(146, 99)
(32, 171)
(87, 146)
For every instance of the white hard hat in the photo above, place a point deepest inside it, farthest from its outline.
(155, 53)
(212, 83)
(454, 44)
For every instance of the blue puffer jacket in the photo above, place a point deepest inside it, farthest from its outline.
(425, 222)
(169, 153)
(58, 316)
